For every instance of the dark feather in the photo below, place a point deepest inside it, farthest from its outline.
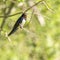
(19, 21)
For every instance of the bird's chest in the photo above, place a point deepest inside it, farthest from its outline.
(22, 23)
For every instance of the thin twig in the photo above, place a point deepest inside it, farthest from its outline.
(11, 15)
(37, 13)
(47, 6)
(31, 16)
(23, 12)
(32, 6)
(5, 15)
(30, 32)
(8, 37)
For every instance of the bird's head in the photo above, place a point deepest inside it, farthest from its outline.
(24, 15)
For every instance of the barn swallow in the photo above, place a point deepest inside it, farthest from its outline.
(21, 21)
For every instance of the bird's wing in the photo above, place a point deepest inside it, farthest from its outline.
(19, 21)
(15, 26)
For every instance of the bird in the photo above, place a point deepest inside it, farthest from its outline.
(20, 22)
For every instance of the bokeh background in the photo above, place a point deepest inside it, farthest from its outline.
(40, 38)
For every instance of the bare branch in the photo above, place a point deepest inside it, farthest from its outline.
(5, 15)
(30, 32)
(21, 12)
(47, 6)
(33, 6)
(37, 13)
(8, 37)
(11, 15)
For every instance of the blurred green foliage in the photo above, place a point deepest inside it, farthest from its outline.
(42, 43)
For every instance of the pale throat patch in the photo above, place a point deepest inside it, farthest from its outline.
(22, 24)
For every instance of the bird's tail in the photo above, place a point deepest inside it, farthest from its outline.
(13, 30)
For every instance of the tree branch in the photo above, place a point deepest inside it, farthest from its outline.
(22, 12)
(11, 15)
(5, 15)
(37, 13)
